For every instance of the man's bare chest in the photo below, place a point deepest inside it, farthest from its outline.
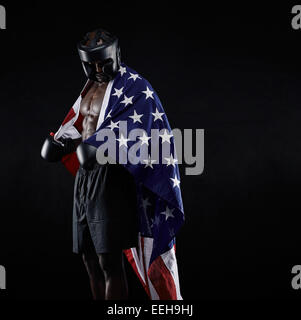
(92, 101)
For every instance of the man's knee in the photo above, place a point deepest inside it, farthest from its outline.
(92, 265)
(111, 263)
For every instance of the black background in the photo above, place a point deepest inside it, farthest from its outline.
(233, 70)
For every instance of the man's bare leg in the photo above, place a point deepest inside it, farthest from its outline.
(96, 277)
(112, 265)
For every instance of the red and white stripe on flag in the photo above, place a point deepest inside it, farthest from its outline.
(160, 280)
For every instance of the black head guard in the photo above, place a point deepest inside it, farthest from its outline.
(100, 46)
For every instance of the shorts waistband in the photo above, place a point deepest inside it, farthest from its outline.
(93, 167)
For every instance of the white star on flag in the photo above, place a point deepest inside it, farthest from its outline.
(136, 117)
(156, 221)
(144, 139)
(118, 92)
(148, 93)
(149, 162)
(134, 76)
(171, 161)
(109, 114)
(122, 70)
(171, 232)
(127, 100)
(145, 204)
(123, 141)
(165, 137)
(157, 115)
(152, 222)
(113, 125)
(176, 182)
(168, 213)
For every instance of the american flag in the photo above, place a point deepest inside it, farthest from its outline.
(130, 98)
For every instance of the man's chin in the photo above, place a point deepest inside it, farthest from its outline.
(100, 77)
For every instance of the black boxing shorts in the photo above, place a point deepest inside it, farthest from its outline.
(104, 209)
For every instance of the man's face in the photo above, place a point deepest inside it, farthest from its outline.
(99, 75)
(98, 67)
